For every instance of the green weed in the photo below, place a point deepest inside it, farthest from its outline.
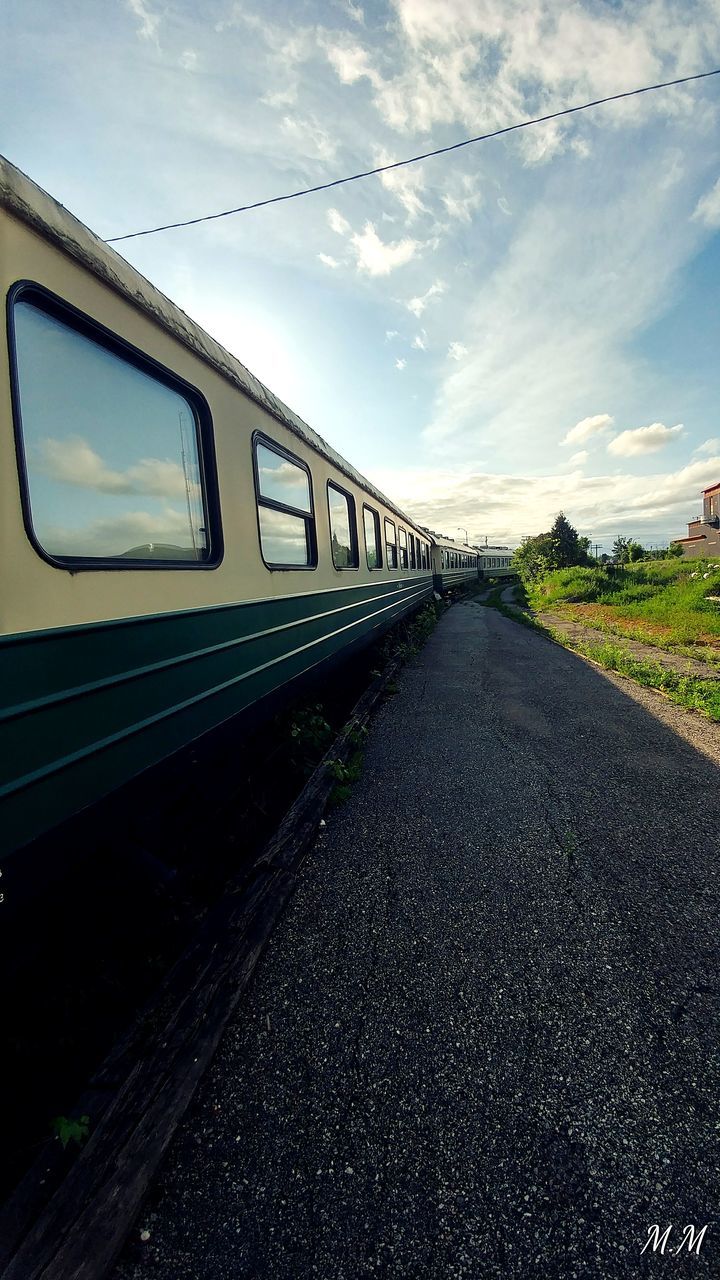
(68, 1130)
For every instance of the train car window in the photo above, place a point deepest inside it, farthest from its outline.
(285, 508)
(114, 452)
(412, 550)
(391, 545)
(373, 551)
(343, 532)
(402, 537)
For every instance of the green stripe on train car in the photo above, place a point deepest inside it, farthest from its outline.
(95, 705)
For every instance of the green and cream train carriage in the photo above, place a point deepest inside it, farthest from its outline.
(495, 562)
(176, 543)
(454, 564)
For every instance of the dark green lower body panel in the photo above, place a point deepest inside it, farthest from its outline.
(450, 578)
(87, 708)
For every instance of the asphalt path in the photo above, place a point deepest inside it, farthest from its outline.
(483, 1040)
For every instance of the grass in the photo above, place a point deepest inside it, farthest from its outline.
(661, 602)
(688, 691)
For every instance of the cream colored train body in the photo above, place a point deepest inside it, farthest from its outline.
(176, 544)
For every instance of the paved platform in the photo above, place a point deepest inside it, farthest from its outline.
(483, 1041)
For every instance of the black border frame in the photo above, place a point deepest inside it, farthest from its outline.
(391, 568)
(259, 437)
(352, 510)
(378, 539)
(87, 326)
(403, 567)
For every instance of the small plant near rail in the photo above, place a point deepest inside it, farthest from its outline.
(311, 735)
(69, 1130)
(345, 775)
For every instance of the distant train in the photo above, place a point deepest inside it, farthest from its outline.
(176, 543)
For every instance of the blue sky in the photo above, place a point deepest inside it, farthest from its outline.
(526, 325)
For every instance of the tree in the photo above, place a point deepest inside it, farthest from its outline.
(675, 549)
(635, 551)
(620, 549)
(566, 543)
(534, 558)
(558, 549)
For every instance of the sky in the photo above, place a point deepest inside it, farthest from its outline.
(524, 326)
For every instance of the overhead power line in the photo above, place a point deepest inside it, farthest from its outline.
(426, 155)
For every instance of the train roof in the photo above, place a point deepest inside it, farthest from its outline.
(491, 550)
(441, 540)
(25, 200)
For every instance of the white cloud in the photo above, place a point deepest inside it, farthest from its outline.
(420, 341)
(149, 21)
(406, 184)
(355, 12)
(390, 334)
(328, 260)
(377, 258)
(457, 350)
(188, 60)
(707, 209)
(588, 427)
(711, 447)
(74, 461)
(418, 305)
(284, 97)
(309, 138)
(641, 440)
(463, 204)
(351, 62)
(496, 505)
(337, 222)
(541, 143)
(504, 207)
(400, 364)
(578, 458)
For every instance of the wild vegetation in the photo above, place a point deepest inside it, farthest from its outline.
(663, 603)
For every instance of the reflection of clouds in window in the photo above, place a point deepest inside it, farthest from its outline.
(147, 535)
(98, 434)
(282, 481)
(74, 461)
(283, 537)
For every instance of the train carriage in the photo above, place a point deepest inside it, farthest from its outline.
(495, 562)
(176, 543)
(454, 563)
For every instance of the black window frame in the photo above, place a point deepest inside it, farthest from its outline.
(411, 550)
(402, 550)
(352, 516)
(388, 557)
(378, 539)
(94, 330)
(259, 437)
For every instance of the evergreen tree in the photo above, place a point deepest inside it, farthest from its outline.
(566, 543)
